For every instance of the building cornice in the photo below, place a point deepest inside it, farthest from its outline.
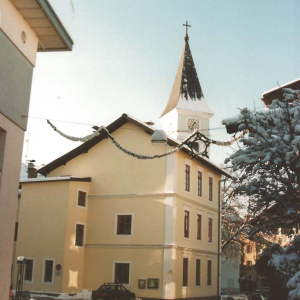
(151, 246)
(152, 195)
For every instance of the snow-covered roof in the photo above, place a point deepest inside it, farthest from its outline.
(51, 179)
(277, 93)
(83, 148)
(187, 92)
(231, 120)
(281, 87)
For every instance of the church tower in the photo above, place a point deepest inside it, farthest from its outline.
(186, 109)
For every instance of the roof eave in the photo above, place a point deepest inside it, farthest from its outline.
(83, 148)
(53, 18)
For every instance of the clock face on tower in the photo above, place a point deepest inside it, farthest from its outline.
(193, 124)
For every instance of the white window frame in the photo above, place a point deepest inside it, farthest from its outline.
(86, 198)
(189, 209)
(209, 216)
(84, 229)
(27, 281)
(43, 273)
(201, 259)
(211, 279)
(199, 169)
(114, 269)
(186, 255)
(211, 175)
(116, 224)
(198, 212)
(189, 163)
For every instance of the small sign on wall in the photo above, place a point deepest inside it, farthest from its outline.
(58, 269)
(142, 283)
(153, 283)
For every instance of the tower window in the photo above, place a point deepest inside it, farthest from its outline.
(187, 177)
(199, 184)
(185, 272)
(186, 223)
(210, 189)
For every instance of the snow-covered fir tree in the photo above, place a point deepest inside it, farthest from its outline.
(269, 161)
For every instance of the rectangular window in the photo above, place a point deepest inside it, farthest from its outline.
(122, 273)
(187, 178)
(124, 223)
(81, 198)
(16, 231)
(185, 272)
(210, 189)
(249, 249)
(198, 271)
(186, 223)
(199, 227)
(209, 269)
(210, 227)
(48, 270)
(28, 275)
(199, 184)
(79, 235)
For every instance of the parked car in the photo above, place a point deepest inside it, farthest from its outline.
(238, 297)
(11, 295)
(257, 296)
(265, 289)
(112, 291)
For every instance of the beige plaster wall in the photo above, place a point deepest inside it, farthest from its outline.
(207, 172)
(117, 173)
(10, 157)
(147, 220)
(145, 263)
(192, 290)
(192, 241)
(12, 24)
(42, 229)
(73, 266)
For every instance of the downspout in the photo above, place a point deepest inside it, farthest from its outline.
(219, 241)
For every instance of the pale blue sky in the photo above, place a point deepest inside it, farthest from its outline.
(126, 54)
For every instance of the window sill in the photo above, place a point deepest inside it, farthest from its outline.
(81, 206)
(124, 235)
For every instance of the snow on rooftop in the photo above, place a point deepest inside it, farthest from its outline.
(280, 87)
(47, 179)
(232, 120)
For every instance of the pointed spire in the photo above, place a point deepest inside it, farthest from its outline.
(186, 85)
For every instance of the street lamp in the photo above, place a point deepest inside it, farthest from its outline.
(21, 261)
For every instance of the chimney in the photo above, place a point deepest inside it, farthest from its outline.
(149, 122)
(31, 170)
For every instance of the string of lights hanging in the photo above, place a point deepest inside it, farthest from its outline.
(188, 143)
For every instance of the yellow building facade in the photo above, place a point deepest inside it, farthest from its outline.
(100, 215)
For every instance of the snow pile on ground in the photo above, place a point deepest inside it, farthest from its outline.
(85, 294)
(294, 285)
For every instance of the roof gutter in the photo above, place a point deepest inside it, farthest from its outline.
(53, 18)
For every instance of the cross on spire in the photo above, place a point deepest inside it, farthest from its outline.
(186, 30)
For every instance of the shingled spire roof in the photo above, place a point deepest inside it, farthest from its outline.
(187, 87)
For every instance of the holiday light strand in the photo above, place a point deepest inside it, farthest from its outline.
(188, 140)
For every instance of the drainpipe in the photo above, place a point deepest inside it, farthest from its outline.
(219, 241)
